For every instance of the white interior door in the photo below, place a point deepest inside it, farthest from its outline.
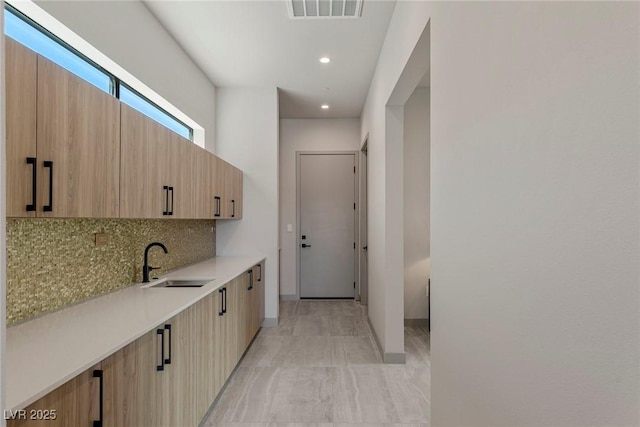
(327, 195)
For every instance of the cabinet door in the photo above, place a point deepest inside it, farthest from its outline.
(237, 192)
(146, 164)
(222, 188)
(78, 132)
(230, 328)
(243, 312)
(260, 283)
(211, 191)
(255, 313)
(179, 373)
(133, 394)
(195, 188)
(206, 358)
(177, 175)
(229, 184)
(21, 82)
(221, 338)
(75, 403)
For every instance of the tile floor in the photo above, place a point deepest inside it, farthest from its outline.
(320, 368)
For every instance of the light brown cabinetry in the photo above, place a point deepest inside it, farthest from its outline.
(200, 188)
(179, 375)
(21, 83)
(255, 315)
(132, 384)
(163, 174)
(74, 404)
(228, 191)
(75, 151)
(236, 193)
(148, 164)
(78, 135)
(171, 375)
(63, 141)
(209, 381)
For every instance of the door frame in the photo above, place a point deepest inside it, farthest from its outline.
(356, 263)
(363, 212)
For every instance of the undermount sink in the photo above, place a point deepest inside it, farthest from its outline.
(180, 283)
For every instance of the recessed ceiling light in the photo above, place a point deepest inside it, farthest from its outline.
(325, 60)
(324, 106)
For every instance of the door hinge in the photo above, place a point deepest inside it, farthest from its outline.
(354, 285)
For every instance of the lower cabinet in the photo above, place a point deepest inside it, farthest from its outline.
(168, 377)
(75, 403)
(254, 301)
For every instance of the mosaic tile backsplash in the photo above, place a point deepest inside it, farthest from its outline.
(52, 263)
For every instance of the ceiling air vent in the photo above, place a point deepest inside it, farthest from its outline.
(324, 9)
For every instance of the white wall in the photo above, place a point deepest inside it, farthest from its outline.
(304, 135)
(416, 204)
(129, 34)
(247, 137)
(3, 212)
(535, 207)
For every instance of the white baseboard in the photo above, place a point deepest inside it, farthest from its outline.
(270, 321)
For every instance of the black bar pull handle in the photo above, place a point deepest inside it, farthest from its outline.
(160, 367)
(171, 211)
(260, 271)
(224, 305)
(233, 207)
(34, 176)
(97, 373)
(216, 199)
(168, 328)
(250, 279)
(165, 188)
(49, 207)
(221, 312)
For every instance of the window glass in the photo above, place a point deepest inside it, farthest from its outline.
(23, 32)
(133, 99)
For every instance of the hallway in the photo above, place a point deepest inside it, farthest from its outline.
(320, 367)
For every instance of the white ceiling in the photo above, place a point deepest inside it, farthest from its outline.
(255, 43)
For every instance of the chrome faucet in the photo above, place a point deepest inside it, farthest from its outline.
(146, 268)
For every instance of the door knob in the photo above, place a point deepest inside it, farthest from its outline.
(304, 245)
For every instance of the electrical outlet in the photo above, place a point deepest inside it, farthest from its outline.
(101, 239)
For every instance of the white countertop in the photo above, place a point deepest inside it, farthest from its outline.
(46, 352)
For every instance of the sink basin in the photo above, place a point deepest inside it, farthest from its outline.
(180, 283)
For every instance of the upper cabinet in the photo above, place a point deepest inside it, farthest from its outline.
(228, 195)
(21, 83)
(63, 141)
(78, 146)
(75, 151)
(147, 167)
